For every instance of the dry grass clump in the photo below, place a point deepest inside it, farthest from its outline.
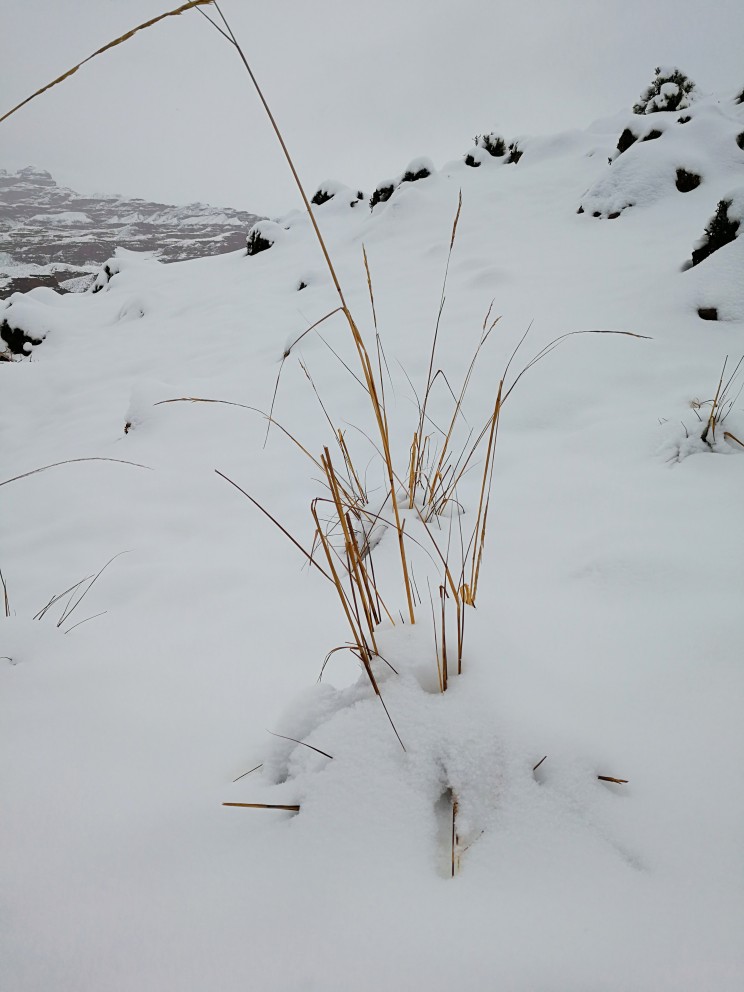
(343, 521)
(721, 405)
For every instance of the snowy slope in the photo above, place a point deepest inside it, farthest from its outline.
(606, 635)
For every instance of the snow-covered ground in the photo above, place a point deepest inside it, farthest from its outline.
(606, 637)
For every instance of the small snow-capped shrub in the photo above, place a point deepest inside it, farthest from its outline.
(382, 194)
(740, 140)
(18, 341)
(687, 181)
(104, 276)
(721, 230)
(419, 168)
(493, 143)
(412, 177)
(473, 160)
(331, 189)
(321, 196)
(258, 240)
(515, 153)
(652, 135)
(684, 120)
(670, 89)
(626, 139)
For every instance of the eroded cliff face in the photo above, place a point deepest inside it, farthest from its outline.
(52, 236)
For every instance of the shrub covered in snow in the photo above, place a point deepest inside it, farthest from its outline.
(721, 229)
(670, 89)
(330, 189)
(411, 177)
(382, 194)
(418, 168)
(104, 276)
(493, 143)
(515, 153)
(17, 340)
(495, 146)
(260, 238)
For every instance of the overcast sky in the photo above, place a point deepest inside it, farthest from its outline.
(358, 88)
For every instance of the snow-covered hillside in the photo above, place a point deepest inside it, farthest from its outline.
(581, 779)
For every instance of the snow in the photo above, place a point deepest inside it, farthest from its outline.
(63, 217)
(606, 634)
(646, 172)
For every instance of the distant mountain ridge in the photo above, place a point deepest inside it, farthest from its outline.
(53, 236)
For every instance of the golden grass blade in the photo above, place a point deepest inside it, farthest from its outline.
(369, 286)
(445, 674)
(276, 524)
(112, 44)
(712, 419)
(730, 437)
(429, 380)
(609, 778)
(455, 838)
(80, 622)
(70, 609)
(214, 24)
(356, 633)
(457, 220)
(250, 770)
(480, 523)
(71, 461)
(458, 407)
(287, 156)
(55, 599)
(291, 809)
(243, 406)
(6, 601)
(303, 743)
(556, 341)
(286, 354)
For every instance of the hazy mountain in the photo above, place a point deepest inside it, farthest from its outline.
(50, 235)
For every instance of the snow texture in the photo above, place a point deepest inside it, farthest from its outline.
(606, 643)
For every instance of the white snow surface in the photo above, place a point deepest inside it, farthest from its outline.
(607, 633)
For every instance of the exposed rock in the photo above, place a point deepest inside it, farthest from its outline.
(708, 313)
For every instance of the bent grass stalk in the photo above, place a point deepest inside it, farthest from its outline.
(438, 484)
(363, 355)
